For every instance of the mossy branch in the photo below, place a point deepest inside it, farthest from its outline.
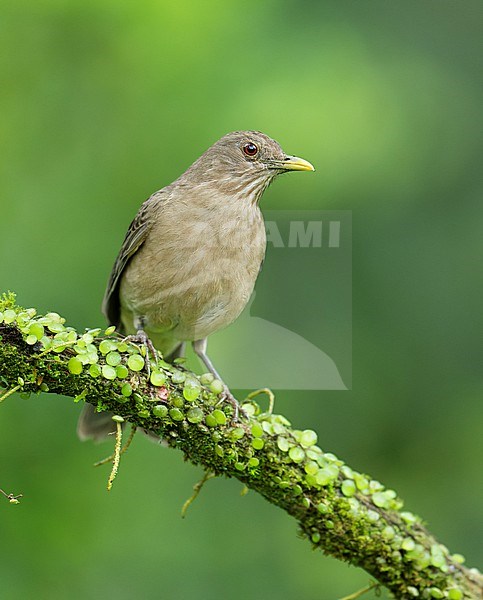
(342, 512)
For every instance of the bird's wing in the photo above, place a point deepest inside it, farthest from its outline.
(134, 239)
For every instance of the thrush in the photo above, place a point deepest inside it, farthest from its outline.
(192, 254)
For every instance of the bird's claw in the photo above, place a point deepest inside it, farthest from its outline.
(141, 337)
(238, 411)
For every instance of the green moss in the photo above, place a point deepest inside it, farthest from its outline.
(210, 420)
(343, 512)
(236, 434)
(216, 386)
(296, 454)
(219, 416)
(135, 362)
(256, 430)
(176, 414)
(258, 443)
(157, 378)
(195, 415)
(348, 487)
(75, 366)
(108, 372)
(126, 390)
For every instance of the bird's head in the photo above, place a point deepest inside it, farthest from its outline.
(244, 162)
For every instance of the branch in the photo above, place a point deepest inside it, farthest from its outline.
(342, 512)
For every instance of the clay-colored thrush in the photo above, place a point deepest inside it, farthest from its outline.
(192, 254)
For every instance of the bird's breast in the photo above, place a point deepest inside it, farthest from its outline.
(196, 270)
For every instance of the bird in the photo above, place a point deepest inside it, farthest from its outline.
(190, 258)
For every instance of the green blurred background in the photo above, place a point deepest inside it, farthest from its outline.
(104, 102)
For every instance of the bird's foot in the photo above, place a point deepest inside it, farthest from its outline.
(142, 338)
(238, 411)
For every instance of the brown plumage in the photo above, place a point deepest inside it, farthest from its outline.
(191, 256)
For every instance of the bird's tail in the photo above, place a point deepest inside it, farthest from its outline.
(93, 425)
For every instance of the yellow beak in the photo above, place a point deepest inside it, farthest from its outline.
(294, 163)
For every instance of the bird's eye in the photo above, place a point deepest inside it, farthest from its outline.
(250, 149)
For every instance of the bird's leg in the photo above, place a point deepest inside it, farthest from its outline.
(141, 337)
(199, 346)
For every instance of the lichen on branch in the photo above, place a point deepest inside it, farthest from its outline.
(344, 513)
